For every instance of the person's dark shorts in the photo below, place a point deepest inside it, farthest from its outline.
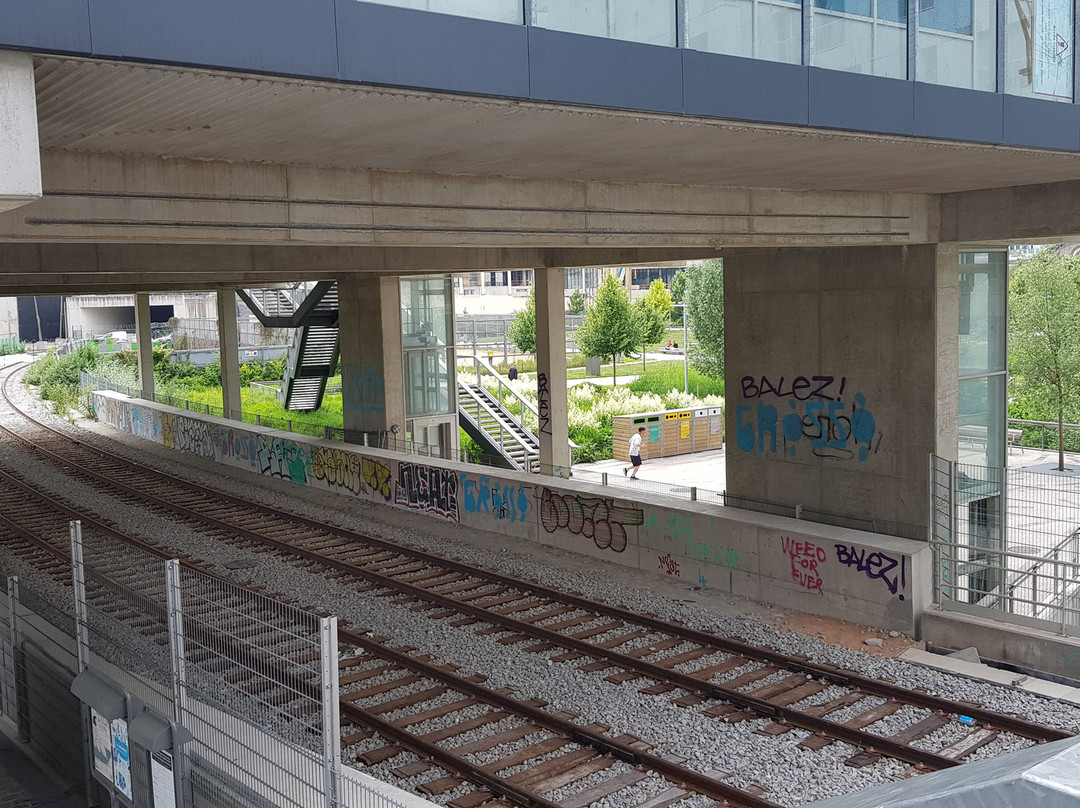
(635, 459)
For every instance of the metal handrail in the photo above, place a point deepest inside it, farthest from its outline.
(504, 384)
(531, 453)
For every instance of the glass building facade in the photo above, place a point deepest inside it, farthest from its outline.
(1018, 47)
(984, 278)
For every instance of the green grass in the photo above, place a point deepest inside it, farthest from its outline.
(662, 377)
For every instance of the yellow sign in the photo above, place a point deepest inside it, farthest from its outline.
(684, 430)
(676, 416)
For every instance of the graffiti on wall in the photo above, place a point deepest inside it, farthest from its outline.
(805, 557)
(481, 495)
(819, 419)
(280, 457)
(238, 447)
(713, 553)
(362, 389)
(187, 435)
(428, 489)
(115, 413)
(376, 477)
(669, 564)
(145, 423)
(596, 518)
(543, 403)
(877, 566)
(337, 468)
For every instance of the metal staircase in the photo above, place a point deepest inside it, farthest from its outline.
(313, 311)
(496, 429)
(485, 418)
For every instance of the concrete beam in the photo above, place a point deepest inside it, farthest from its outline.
(111, 268)
(20, 163)
(107, 197)
(1036, 214)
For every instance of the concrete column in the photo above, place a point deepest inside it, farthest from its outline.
(20, 159)
(551, 372)
(145, 340)
(841, 377)
(369, 322)
(229, 349)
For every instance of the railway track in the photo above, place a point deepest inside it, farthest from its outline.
(722, 677)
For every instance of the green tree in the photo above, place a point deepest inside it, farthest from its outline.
(577, 303)
(1044, 335)
(609, 328)
(651, 316)
(705, 314)
(522, 330)
(678, 295)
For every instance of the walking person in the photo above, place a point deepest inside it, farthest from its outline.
(635, 452)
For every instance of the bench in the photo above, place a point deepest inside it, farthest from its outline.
(1015, 437)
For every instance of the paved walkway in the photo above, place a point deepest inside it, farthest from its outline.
(26, 783)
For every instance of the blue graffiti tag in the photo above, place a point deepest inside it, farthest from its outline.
(502, 502)
(830, 429)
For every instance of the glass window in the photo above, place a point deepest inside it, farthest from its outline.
(634, 20)
(425, 311)
(981, 426)
(427, 381)
(861, 36)
(957, 43)
(494, 10)
(1039, 49)
(983, 296)
(759, 29)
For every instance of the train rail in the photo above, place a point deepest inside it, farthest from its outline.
(722, 677)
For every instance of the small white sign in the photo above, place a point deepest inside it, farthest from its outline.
(161, 780)
(1051, 48)
(121, 757)
(102, 733)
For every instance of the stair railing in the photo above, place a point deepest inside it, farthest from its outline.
(530, 453)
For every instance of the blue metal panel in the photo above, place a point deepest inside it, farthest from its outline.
(841, 100)
(401, 47)
(266, 36)
(955, 114)
(57, 25)
(745, 89)
(604, 72)
(1045, 124)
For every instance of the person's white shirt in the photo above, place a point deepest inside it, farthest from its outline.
(635, 444)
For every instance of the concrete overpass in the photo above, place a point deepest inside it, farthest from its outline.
(215, 144)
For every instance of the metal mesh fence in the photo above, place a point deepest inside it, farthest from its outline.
(253, 679)
(1011, 544)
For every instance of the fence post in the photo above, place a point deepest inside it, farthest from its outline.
(693, 493)
(288, 425)
(175, 614)
(331, 719)
(603, 478)
(82, 642)
(258, 419)
(18, 667)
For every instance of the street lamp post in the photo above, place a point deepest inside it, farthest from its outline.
(685, 349)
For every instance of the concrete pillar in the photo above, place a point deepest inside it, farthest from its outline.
(551, 372)
(20, 159)
(145, 340)
(229, 349)
(373, 391)
(841, 377)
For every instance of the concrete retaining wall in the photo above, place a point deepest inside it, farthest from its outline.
(863, 577)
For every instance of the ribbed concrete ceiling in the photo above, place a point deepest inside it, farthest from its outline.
(176, 112)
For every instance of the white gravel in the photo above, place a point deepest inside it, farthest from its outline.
(791, 775)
